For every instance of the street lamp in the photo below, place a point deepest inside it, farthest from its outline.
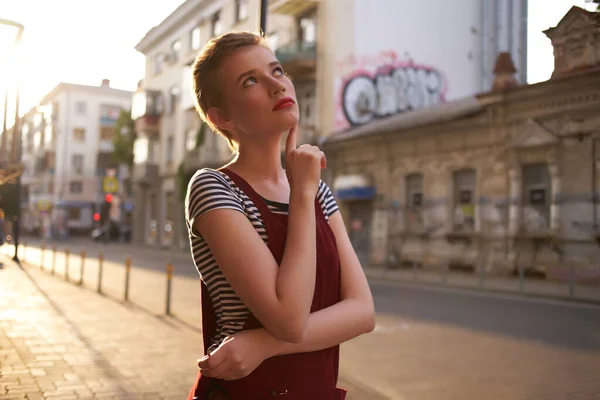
(16, 147)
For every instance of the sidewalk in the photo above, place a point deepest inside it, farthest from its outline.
(60, 341)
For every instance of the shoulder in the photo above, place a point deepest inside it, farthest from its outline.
(327, 200)
(210, 189)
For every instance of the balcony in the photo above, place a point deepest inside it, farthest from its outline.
(299, 59)
(145, 174)
(202, 157)
(292, 7)
(146, 109)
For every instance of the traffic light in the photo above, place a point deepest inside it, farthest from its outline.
(96, 217)
(108, 198)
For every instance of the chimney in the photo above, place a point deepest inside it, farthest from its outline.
(105, 82)
(504, 73)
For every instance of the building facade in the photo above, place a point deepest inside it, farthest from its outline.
(67, 148)
(341, 54)
(171, 141)
(503, 180)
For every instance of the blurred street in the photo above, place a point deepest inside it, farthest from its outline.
(430, 343)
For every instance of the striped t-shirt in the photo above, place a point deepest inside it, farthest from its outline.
(210, 190)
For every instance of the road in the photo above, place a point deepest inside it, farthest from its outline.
(428, 343)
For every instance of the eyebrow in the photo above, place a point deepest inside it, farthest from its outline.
(252, 71)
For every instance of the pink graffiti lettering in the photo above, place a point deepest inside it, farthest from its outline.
(393, 87)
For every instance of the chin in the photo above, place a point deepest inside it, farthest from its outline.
(286, 121)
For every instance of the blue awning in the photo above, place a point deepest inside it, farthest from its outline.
(74, 204)
(354, 187)
(357, 193)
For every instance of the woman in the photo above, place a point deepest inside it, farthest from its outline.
(281, 284)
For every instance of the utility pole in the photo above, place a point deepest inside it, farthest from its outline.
(263, 16)
(16, 142)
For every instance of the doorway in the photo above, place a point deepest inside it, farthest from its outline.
(361, 214)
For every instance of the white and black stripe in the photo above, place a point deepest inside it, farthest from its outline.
(210, 190)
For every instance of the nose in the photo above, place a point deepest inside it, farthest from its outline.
(276, 86)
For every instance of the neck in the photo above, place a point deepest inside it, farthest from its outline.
(260, 160)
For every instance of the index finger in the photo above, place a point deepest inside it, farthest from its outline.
(290, 142)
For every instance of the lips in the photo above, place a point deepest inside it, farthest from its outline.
(286, 102)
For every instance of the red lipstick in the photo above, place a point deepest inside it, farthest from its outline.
(284, 103)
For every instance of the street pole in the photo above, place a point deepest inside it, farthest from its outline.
(16, 150)
(263, 17)
(3, 144)
(17, 144)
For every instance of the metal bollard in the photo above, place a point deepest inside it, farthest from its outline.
(100, 266)
(42, 256)
(521, 278)
(81, 268)
(481, 274)
(445, 268)
(415, 268)
(53, 260)
(127, 272)
(67, 253)
(169, 278)
(572, 281)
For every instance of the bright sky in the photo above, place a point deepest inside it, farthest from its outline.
(83, 41)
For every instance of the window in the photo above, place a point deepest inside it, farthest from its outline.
(536, 198)
(414, 201)
(77, 161)
(158, 63)
(74, 214)
(75, 187)
(307, 29)
(190, 140)
(79, 135)
(195, 38)
(216, 24)
(464, 200)
(169, 149)
(80, 108)
(140, 150)
(241, 10)
(175, 48)
(107, 133)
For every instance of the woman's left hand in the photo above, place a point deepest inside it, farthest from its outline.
(237, 357)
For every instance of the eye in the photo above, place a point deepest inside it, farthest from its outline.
(278, 71)
(249, 82)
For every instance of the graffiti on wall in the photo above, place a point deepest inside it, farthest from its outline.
(386, 86)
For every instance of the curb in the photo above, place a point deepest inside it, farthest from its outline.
(372, 276)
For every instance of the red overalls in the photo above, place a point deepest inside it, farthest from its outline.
(303, 376)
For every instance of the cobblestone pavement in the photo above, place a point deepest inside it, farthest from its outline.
(60, 341)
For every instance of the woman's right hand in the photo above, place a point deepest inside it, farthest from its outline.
(303, 165)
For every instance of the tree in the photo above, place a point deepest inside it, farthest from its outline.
(124, 139)
(597, 2)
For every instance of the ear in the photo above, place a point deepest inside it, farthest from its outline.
(219, 119)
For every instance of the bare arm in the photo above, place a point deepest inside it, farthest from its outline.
(354, 315)
(279, 296)
(351, 317)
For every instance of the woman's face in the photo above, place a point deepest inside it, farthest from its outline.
(259, 99)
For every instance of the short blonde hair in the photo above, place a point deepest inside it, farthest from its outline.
(205, 81)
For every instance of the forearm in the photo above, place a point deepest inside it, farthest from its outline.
(326, 328)
(296, 275)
